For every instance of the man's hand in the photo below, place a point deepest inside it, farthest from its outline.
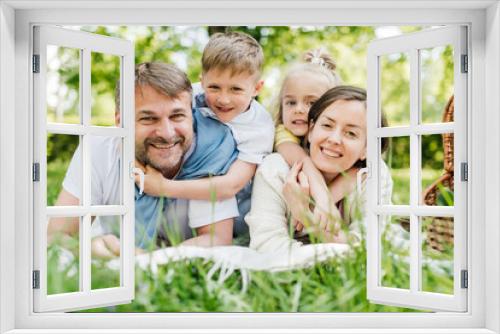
(108, 247)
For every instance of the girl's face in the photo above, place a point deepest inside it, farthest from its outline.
(338, 138)
(300, 91)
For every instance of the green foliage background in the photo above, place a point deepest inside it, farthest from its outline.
(335, 286)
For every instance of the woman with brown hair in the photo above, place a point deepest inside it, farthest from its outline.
(336, 142)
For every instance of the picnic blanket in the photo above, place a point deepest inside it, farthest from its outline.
(239, 257)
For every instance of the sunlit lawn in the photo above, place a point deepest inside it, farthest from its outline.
(338, 285)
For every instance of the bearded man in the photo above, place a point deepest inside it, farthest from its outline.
(165, 139)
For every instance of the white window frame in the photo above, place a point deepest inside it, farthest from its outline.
(86, 43)
(411, 44)
(16, 19)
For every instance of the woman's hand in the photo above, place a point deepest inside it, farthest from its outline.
(154, 182)
(318, 191)
(335, 237)
(324, 221)
(296, 193)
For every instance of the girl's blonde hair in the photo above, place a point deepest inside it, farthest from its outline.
(316, 61)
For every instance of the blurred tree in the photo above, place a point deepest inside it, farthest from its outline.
(282, 46)
(215, 29)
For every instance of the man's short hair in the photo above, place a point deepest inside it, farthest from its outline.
(166, 79)
(236, 51)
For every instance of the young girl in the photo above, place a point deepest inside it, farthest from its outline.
(303, 85)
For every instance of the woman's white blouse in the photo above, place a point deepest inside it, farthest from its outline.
(268, 217)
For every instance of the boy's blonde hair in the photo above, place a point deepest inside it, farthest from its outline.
(235, 51)
(316, 61)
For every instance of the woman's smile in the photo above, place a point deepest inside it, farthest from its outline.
(330, 152)
(338, 137)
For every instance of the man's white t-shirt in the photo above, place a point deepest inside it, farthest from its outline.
(106, 188)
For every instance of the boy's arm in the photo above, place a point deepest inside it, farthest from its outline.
(209, 188)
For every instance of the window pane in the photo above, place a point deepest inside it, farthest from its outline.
(106, 251)
(60, 150)
(395, 88)
(105, 155)
(436, 66)
(104, 77)
(63, 85)
(63, 251)
(437, 254)
(437, 170)
(397, 159)
(395, 255)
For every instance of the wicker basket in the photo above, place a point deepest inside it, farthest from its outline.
(440, 230)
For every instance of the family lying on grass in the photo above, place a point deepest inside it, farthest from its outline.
(206, 152)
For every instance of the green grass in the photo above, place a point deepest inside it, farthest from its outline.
(401, 183)
(337, 285)
(434, 278)
(334, 286)
(56, 171)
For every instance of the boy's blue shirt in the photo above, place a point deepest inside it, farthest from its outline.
(213, 154)
(215, 149)
(243, 197)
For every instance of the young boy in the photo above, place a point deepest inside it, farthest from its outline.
(231, 70)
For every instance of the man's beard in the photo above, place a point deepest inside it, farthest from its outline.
(167, 167)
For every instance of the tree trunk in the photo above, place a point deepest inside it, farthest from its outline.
(214, 29)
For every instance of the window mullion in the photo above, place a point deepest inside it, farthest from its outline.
(414, 172)
(94, 210)
(73, 129)
(85, 235)
(127, 110)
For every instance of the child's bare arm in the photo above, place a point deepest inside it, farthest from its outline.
(343, 184)
(324, 211)
(293, 153)
(209, 188)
